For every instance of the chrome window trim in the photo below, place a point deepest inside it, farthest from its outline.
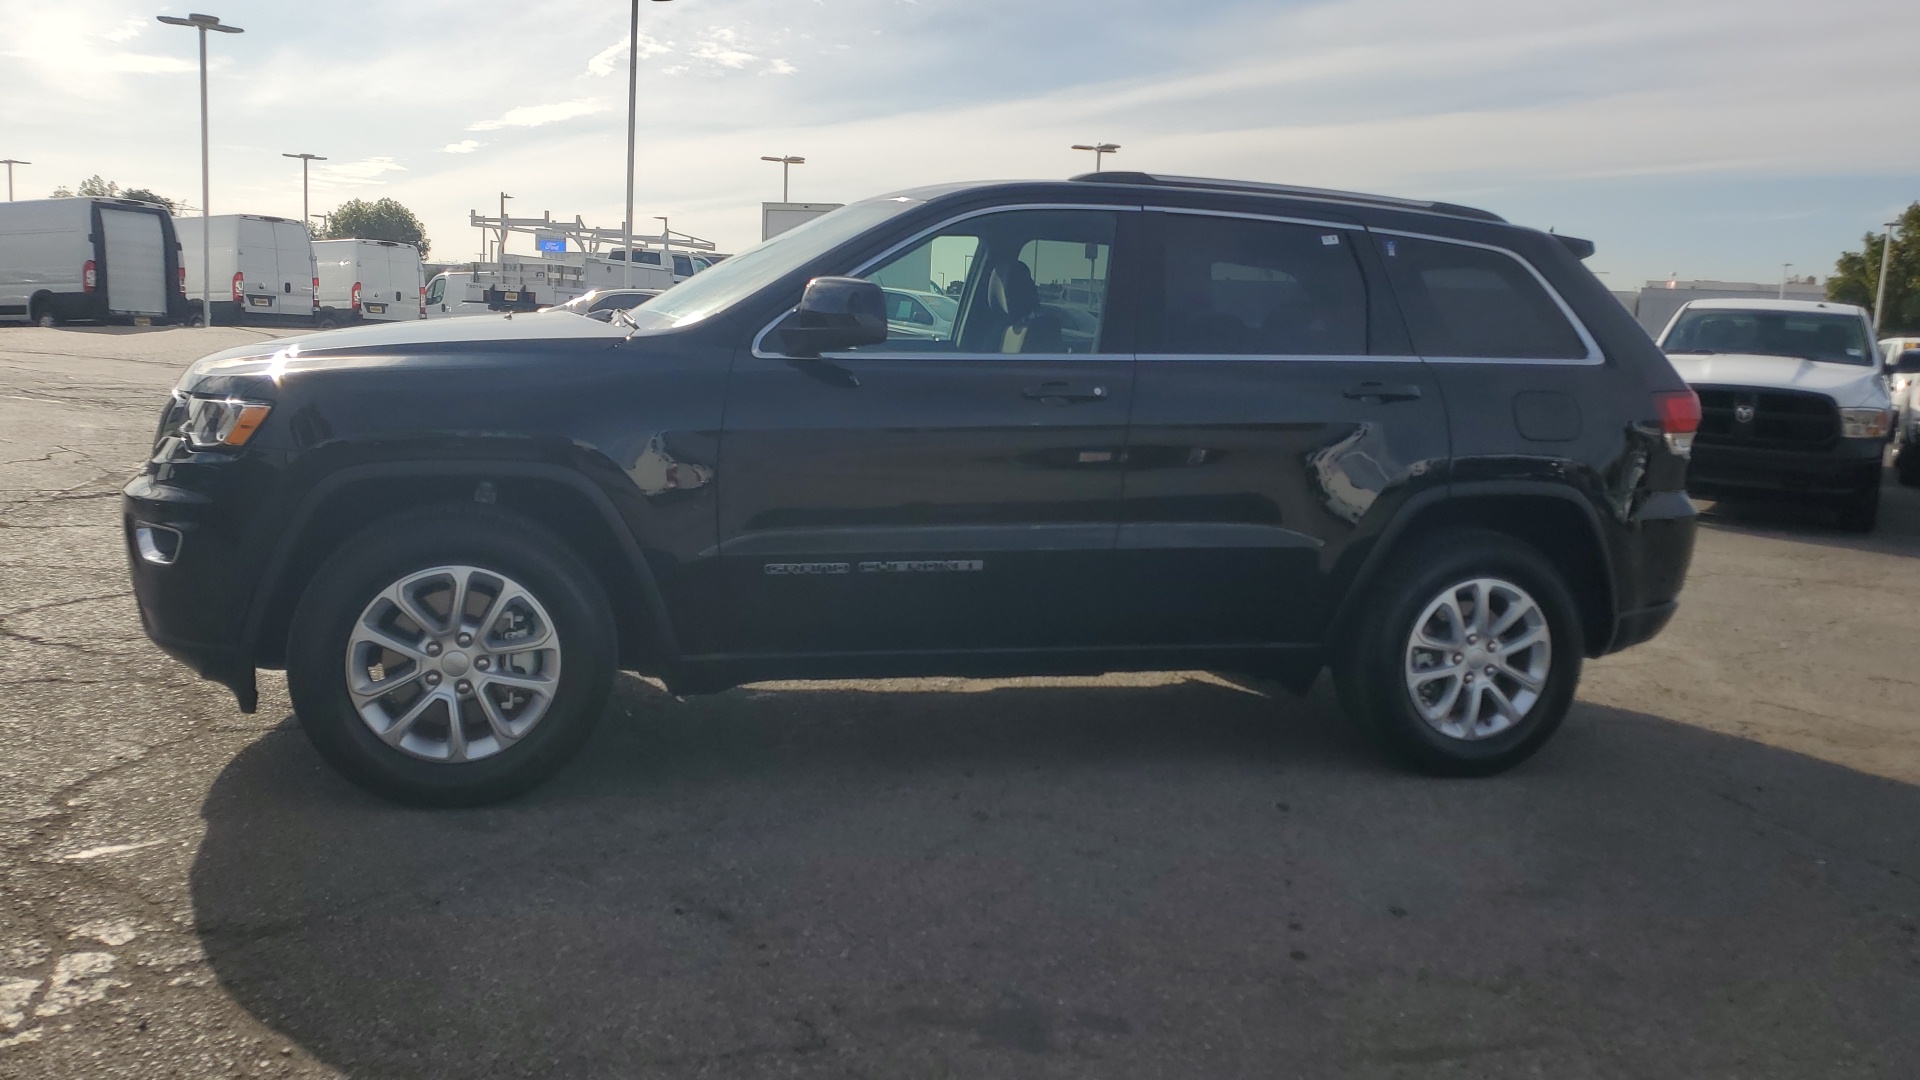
(758, 339)
(1315, 222)
(1282, 358)
(1594, 355)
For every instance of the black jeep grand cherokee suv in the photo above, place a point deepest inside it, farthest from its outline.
(1170, 423)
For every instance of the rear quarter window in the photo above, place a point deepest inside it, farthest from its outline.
(1473, 302)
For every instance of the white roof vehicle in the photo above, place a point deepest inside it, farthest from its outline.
(374, 280)
(1793, 401)
(263, 268)
(86, 259)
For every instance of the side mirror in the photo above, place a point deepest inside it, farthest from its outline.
(1907, 363)
(835, 313)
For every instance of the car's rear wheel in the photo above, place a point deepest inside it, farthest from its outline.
(1468, 658)
(451, 656)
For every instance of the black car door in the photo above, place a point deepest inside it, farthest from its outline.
(956, 488)
(1270, 422)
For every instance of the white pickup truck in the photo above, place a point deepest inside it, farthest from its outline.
(1793, 401)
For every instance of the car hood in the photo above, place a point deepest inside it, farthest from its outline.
(314, 349)
(1846, 384)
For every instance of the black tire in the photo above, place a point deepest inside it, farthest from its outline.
(1906, 467)
(43, 315)
(1860, 512)
(1369, 674)
(326, 323)
(418, 540)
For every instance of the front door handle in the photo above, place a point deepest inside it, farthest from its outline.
(1384, 392)
(1064, 393)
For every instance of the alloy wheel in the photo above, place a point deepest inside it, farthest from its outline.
(453, 664)
(1478, 658)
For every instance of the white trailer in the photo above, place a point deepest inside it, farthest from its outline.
(528, 283)
(778, 217)
(374, 280)
(89, 260)
(263, 269)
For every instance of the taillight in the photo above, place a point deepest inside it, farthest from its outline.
(1679, 418)
(88, 276)
(237, 276)
(356, 298)
(316, 294)
(183, 281)
(423, 301)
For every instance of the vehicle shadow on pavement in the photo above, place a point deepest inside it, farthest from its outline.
(1176, 880)
(1897, 534)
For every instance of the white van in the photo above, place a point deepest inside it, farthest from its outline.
(376, 280)
(263, 269)
(91, 260)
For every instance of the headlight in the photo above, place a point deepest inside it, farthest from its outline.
(1865, 423)
(213, 422)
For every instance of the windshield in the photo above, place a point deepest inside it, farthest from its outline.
(765, 263)
(1808, 335)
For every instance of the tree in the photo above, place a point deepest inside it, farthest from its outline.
(96, 187)
(382, 220)
(1856, 276)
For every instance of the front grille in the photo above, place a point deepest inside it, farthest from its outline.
(1777, 420)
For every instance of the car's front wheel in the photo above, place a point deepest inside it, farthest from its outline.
(1468, 658)
(451, 656)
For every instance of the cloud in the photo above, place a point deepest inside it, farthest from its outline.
(722, 46)
(780, 66)
(608, 60)
(539, 115)
(128, 29)
(464, 146)
(356, 173)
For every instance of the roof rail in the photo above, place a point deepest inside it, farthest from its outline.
(1255, 187)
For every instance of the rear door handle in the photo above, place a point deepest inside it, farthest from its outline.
(1064, 393)
(1384, 392)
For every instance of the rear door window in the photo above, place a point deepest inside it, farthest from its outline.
(1473, 302)
(1237, 286)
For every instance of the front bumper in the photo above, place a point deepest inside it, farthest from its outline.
(1846, 468)
(192, 605)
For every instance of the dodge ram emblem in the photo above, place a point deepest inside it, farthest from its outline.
(1743, 414)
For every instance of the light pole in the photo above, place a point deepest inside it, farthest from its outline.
(204, 23)
(633, 92)
(666, 240)
(1784, 267)
(500, 253)
(10, 163)
(304, 159)
(1100, 151)
(1879, 291)
(786, 162)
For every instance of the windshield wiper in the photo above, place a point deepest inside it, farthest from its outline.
(620, 315)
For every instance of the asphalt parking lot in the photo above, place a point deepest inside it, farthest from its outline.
(1713, 871)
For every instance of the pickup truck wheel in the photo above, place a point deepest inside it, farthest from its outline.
(451, 656)
(1860, 512)
(1468, 658)
(1906, 467)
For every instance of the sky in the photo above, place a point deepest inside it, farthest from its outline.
(1704, 138)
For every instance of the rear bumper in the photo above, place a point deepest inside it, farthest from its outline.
(1651, 556)
(1849, 466)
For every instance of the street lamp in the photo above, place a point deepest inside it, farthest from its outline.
(304, 159)
(633, 91)
(10, 163)
(786, 162)
(203, 23)
(1879, 292)
(1100, 151)
(1784, 267)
